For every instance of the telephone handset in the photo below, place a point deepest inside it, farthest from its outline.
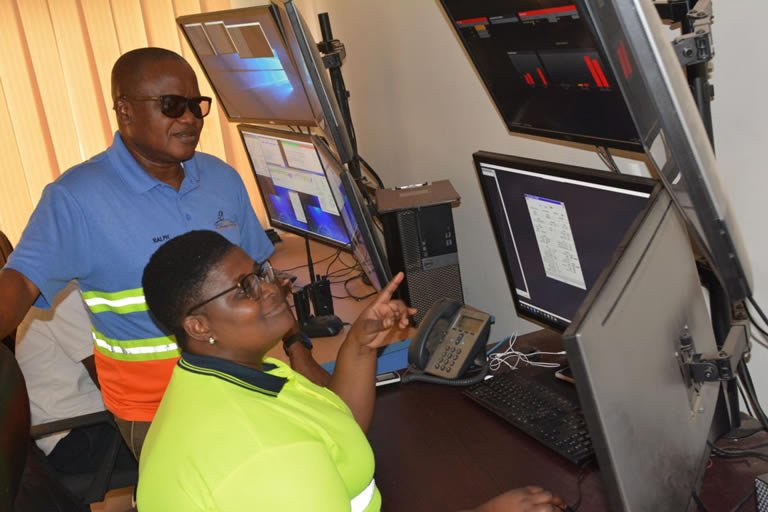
(449, 342)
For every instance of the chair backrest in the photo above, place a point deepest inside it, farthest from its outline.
(14, 427)
(26, 482)
(6, 248)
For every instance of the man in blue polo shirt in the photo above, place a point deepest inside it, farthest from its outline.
(100, 221)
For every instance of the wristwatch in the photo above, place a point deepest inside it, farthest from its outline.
(298, 337)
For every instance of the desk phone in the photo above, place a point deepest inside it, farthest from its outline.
(450, 340)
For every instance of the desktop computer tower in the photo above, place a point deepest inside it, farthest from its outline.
(421, 242)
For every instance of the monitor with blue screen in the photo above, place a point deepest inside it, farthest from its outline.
(293, 184)
(244, 55)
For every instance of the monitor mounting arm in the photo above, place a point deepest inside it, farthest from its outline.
(333, 52)
(694, 46)
(722, 366)
(694, 49)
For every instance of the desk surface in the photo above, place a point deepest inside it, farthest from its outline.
(437, 450)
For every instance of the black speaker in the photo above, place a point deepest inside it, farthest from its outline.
(421, 242)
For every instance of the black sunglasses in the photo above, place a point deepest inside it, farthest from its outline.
(173, 105)
(250, 284)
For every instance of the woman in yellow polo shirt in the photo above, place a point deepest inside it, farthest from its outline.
(239, 431)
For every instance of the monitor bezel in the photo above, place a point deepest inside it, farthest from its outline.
(634, 183)
(365, 224)
(315, 78)
(271, 12)
(364, 220)
(299, 137)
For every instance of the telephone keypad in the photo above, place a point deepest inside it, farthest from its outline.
(445, 359)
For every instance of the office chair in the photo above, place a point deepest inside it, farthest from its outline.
(92, 487)
(5, 250)
(26, 483)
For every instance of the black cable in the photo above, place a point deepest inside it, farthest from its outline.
(749, 388)
(344, 270)
(580, 477)
(335, 257)
(751, 397)
(353, 264)
(757, 308)
(372, 171)
(414, 375)
(307, 264)
(352, 295)
(744, 398)
(736, 454)
(698, 501)
(342, 274)
(754, 323)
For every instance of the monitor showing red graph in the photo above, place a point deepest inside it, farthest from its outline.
(539, 61)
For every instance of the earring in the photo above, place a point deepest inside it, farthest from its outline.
(211, 340)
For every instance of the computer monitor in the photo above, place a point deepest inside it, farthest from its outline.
(540, 64)
(557, 227)
(637, 47)
(315, 78)
(244, 56)
(360, 225)
(294, 185)
(649, 422)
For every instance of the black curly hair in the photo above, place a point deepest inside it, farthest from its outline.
(174, 277)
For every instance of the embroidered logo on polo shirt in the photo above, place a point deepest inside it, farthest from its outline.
(223, 222)
(161, 238)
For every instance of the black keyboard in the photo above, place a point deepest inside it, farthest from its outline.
(549, 415)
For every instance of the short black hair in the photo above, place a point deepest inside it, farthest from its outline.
(174, 277)
(129, 68)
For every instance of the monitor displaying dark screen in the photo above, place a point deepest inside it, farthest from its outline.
(293, 184)
(316, 79)
(360, 226)
(540, 64)
(244, 55)
(557, 227)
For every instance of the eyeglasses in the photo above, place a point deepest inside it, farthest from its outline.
(173, 105)
(250, 284)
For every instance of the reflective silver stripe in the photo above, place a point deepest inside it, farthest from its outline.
(101, 301)
(360, 502)
(134, 350)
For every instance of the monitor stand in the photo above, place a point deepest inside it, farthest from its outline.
(318, 292)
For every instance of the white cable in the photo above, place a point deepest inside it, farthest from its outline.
(512, 358)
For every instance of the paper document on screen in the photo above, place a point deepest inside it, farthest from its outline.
(555, 240)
